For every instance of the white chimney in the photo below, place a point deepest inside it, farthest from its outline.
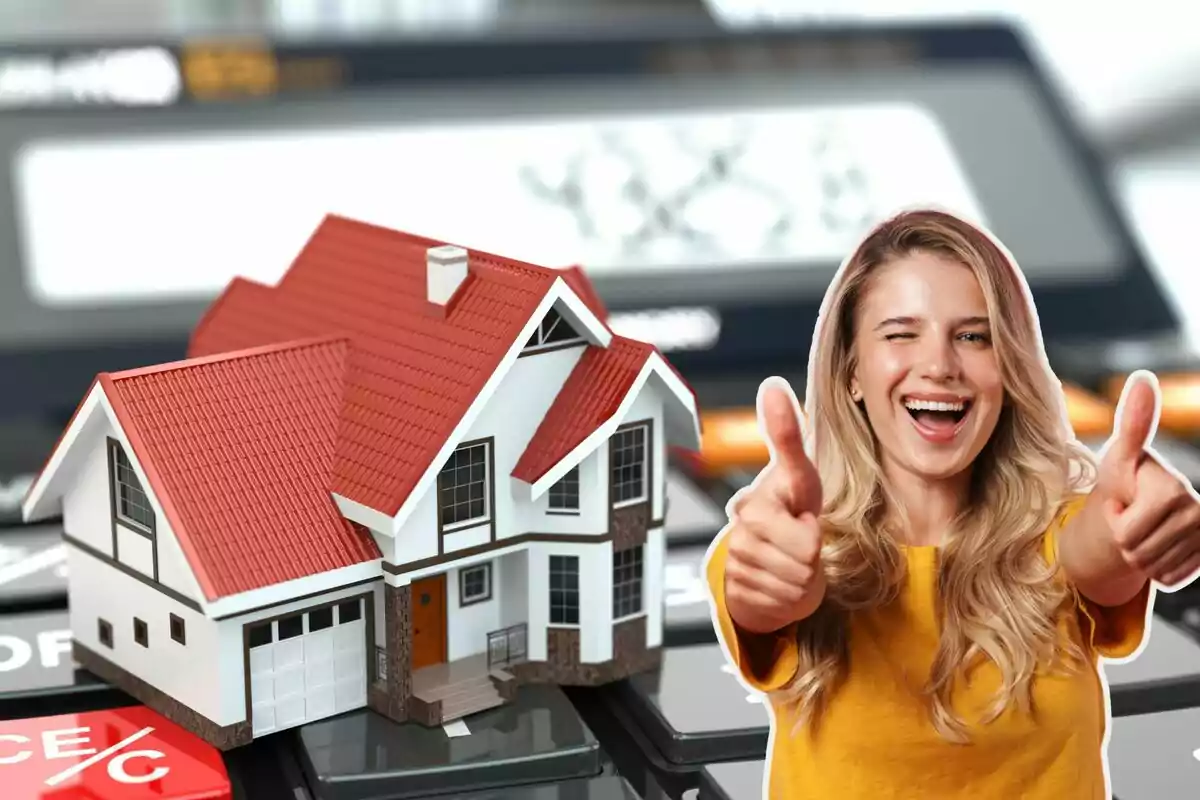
(445, 270)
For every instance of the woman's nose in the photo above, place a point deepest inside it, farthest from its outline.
(939, 361)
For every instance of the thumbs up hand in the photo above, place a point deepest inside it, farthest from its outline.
(1152, 511)
(773, 574)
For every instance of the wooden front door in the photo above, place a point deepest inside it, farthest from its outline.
(429, 621)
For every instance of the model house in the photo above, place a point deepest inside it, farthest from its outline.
(409, 476)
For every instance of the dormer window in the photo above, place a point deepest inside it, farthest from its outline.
(553, 332)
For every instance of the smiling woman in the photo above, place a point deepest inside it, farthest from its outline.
(935, 551)
(924, 367)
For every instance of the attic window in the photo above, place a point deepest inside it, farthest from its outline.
(553, 332)
(130, 503)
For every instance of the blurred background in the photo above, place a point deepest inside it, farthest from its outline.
(709, 161)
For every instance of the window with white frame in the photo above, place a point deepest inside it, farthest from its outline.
(474, 584)
(564, 495)
(464, 488)
(628, 454)
(627, 582)
(552, 332)
(130, 503)
(564, 590)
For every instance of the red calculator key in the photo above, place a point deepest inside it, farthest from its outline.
(119, 754)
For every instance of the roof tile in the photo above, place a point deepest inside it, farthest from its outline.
(590, 397)
(240, 451)
(411, 376)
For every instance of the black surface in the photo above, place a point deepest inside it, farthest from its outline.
(1165, 676)
(688, 615)
(266, 769)
(735, 780)
(693, 515)
(14, 483)
(728, 723)
(1155, 756)
(539, 737)
(608, 787)
(630, 750)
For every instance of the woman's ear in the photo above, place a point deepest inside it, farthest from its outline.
(855, 391)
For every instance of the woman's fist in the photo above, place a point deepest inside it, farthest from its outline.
(773, 571)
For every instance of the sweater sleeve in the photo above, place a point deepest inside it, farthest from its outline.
(768, 662)
(1111, 631)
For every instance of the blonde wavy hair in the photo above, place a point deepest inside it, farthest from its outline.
(998, 596)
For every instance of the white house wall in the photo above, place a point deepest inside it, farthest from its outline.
(468, 626)
(654, 566)
(466, 539)
(595, 598)
(380, 614)
(648, 405)
(232, 644)
(513, 587)
(417, 540)
(86, 507)
(183, 671)
(135, 550)
(593, 501)
(511, 417)
(87, 513)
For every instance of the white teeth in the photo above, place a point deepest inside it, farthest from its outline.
(930, 405)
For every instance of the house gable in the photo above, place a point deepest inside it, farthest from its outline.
(680, 418)
(230, 460)
(563, 300)
(553, 333)
(110, 506)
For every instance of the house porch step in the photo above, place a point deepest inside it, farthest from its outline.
(465, 705)
(449, 691)
(462, 689)
(444, 690)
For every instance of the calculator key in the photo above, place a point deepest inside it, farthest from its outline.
(1155, 756)
(118, 754)
(692, 516)
(33, 567)
(729, 723)
(37, 674)
(607, 787)
(1164, 676)
(1170, 652)
(536, 738)
(688, 616)
(734, 780)
(13, 486)
(628, 750)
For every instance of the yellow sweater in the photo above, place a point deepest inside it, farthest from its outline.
(876, 741)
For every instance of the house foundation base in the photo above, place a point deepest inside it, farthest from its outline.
(564, 667)
(222, 737)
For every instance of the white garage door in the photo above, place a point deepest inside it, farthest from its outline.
(309, 665)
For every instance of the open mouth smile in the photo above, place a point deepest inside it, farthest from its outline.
(938, 420)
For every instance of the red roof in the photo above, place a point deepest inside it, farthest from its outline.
(579, 282)
(239, 451)
(591, 395)
(411, 375)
